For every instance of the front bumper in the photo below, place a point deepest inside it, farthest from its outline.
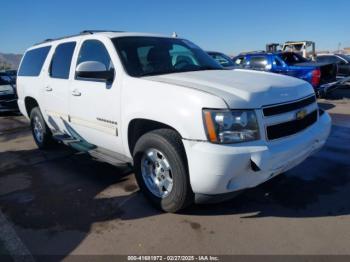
(325, 88)
(221, 169)
(8, 103)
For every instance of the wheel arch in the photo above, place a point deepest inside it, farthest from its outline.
(140, 126)
(30, 103)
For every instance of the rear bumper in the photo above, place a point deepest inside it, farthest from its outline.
(221, 169)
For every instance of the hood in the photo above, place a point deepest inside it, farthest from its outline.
(241, 88)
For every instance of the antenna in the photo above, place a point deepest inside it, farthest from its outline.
(174, 35)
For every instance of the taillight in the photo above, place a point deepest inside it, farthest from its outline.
(316, 77)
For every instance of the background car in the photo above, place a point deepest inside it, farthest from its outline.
(322, 76)
(222, 59)
(8, 93)
(12, 74)
(342, 61)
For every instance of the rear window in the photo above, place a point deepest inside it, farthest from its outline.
(61, 60)
(258, 62)
(33, 61)
(292, 58)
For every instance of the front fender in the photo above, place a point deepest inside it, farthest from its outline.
(176, 106)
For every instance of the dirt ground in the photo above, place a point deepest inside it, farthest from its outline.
(63, 203)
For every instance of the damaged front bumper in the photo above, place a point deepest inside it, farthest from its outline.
(223, 169)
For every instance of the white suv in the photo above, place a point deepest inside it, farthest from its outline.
(192, 130)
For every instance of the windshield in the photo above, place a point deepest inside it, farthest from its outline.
(345, 57)
(222, 59)
(5, 79)
(292, 58)
(144, 56)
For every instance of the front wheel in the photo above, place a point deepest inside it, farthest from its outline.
(161, 170)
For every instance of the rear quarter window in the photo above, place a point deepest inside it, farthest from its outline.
(33, 61)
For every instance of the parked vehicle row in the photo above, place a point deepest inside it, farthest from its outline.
(8, 93)
(193, 130)
(322, 76)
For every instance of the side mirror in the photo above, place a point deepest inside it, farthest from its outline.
(94, 70)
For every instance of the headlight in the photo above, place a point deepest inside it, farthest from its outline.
(230, 126)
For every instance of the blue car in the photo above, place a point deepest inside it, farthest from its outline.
(322, 76)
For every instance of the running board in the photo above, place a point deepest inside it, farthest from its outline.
(110, 157)
(98, 153)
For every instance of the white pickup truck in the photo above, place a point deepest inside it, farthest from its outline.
(193, 131)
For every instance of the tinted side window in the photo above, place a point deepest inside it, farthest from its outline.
(61, 61)
(277, 62)
(33, 61)
(258, 62)
(94, 50)
(239, 61)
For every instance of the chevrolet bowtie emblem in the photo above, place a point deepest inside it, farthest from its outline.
(301, 114)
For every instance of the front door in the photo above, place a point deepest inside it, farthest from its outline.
(94, 107)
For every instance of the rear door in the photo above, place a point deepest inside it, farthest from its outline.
(94, 105)
(56, 91)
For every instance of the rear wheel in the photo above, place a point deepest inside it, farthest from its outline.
(41, 132)
(161, 170)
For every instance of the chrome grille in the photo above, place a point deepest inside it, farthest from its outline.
(289, 118)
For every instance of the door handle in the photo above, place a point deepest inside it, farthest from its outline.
(48, 89)
(76, 92)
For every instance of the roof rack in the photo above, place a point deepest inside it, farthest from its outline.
(98, 31)
(253, 52)
(84, 32)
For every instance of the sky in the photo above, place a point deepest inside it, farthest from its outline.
(229, 26)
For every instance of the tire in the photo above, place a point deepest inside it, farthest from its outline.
(169, 149)
(45, 140)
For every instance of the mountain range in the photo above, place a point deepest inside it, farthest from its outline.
(9, 61)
